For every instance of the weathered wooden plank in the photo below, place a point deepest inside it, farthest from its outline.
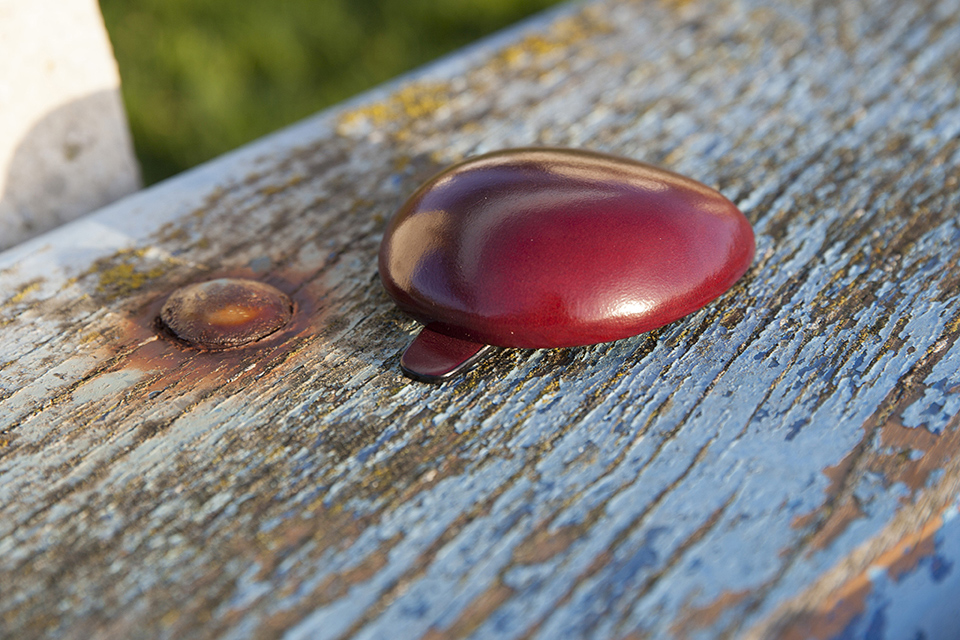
(65, 147)
(780, 464)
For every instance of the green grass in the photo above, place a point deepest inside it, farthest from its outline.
(201, 77)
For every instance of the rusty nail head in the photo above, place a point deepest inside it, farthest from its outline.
(225, 313)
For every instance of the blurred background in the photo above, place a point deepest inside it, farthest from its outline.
(201, 77)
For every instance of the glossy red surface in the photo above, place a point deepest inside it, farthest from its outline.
(556, 247)
(433, 357)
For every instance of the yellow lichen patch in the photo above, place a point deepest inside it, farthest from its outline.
(376, 113)
(530, 47)
(121, 274)
(125, 278)
(420, 100)
(953, 326)
(18, 298)
(677, 4)
(271, 189)
(171, 232)
(170, 618)
(25, 291)
(413, 102)
(563, 35)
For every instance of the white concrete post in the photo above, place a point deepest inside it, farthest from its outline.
(65, 148)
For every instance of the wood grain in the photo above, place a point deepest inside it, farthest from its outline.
(780, 464)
